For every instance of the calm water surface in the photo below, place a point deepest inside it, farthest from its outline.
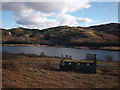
(77, 54)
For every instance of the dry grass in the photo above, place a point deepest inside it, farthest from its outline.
(19, 75)
(111, 48)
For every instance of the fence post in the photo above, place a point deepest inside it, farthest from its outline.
(61, 62)
(95, 62)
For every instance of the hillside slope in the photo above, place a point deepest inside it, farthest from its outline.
(94, 36)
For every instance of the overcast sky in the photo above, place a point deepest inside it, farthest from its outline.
(50, 14)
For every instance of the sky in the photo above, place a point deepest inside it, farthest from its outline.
(40, 15)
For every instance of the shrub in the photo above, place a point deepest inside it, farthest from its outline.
(109, 58)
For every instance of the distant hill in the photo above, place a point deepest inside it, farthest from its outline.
(94, 36)
(107, 28)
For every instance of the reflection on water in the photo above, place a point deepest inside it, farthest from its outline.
(77, 54)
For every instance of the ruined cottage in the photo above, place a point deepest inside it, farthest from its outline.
(82, 67)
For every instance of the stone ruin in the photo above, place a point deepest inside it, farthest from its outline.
(82, 67)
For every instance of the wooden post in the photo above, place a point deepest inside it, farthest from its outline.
(95, 62)
(95, 58)
(61, 64)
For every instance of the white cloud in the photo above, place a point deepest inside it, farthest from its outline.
(35, 14)
(37, 20)
(66, 19)
(47, 7)
(85, 20)
(40, 20)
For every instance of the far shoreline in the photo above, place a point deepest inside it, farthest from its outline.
(109, 48)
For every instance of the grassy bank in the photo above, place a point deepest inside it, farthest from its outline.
(17, 74)
(111, 48)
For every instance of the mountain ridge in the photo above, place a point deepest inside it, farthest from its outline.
(68, 26)
(93, 36)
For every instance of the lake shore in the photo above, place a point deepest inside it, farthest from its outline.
(112, 48)
(17, 74)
